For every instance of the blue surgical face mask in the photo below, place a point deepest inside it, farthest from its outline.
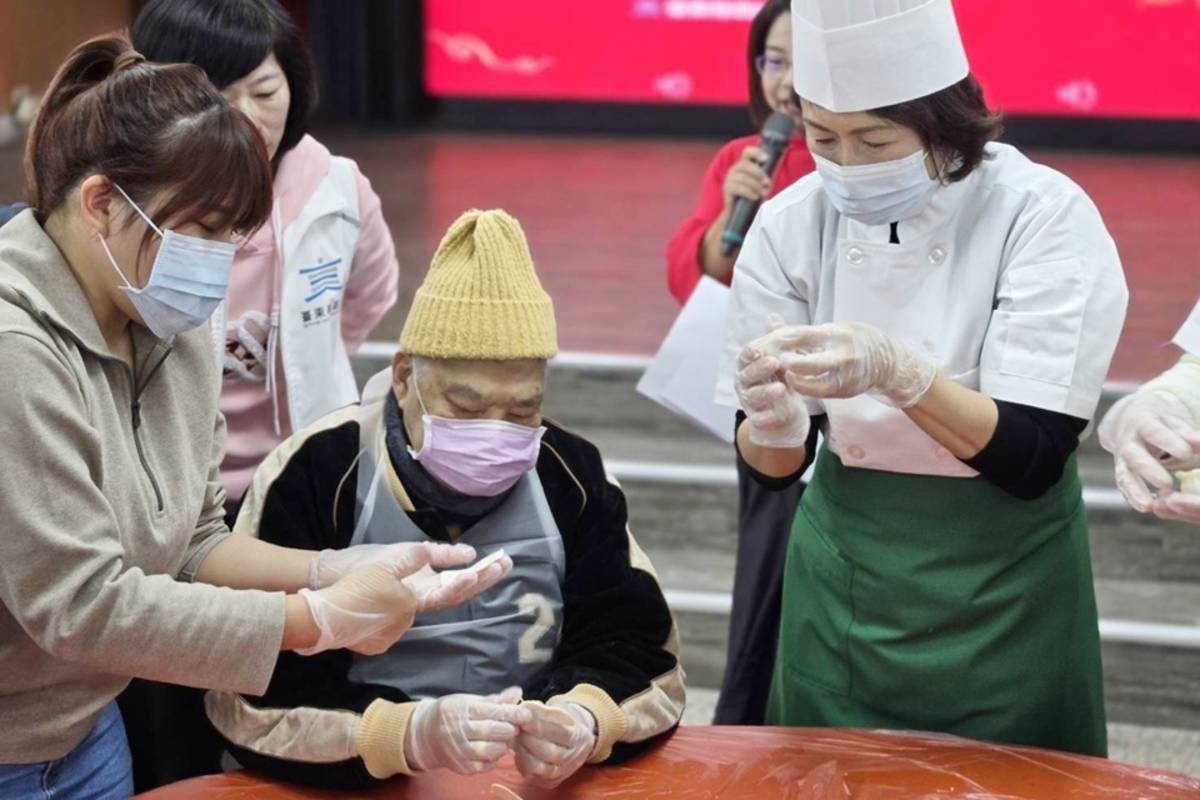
(190, 278)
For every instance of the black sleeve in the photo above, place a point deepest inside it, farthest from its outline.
(1029, 449)
(779, 484)
(618, 634)
(303, 493)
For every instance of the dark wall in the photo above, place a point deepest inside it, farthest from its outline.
(1085, 133)
(369, 56)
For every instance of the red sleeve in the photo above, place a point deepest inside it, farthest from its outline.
(683, 251)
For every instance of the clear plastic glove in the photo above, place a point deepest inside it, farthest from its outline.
(434, 590)
(850, 359)
(465, 733)
(328, 566)
(437, 590)
(1149, 434)
(368, 610)
(555, 743)
(777, 415)
(1180, 506)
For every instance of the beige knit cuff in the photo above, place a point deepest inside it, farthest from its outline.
(611, 724)
(381, 736)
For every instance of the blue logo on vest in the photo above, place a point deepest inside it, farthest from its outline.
(322, 279)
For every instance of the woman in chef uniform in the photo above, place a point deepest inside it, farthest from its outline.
(1154, 436)
(946, 310)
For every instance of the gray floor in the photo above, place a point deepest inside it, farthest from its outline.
(1160, 748)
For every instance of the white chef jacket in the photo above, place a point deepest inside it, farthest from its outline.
(1188, 337)
(1008, 279)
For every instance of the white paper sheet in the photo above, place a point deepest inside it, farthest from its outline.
(683, 375)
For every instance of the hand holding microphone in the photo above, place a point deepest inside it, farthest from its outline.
(746, 179)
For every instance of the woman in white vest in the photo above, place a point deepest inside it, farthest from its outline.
(945, 310)
(308, 286)
(1154, 436)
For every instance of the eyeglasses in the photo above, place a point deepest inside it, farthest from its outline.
(772, 66)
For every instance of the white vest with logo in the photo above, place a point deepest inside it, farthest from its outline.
(317, 250)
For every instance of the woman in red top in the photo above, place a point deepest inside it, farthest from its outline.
(764, 516)
(736, 171)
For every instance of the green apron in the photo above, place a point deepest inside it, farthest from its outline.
(941, 604)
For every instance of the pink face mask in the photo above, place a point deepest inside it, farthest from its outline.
(477, 457)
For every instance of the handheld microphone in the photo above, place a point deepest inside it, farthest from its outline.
(776, 134)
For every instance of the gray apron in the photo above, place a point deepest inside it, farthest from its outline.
(498, 639)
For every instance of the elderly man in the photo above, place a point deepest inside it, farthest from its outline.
(570, 659)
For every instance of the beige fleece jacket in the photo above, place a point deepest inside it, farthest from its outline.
(103, 521)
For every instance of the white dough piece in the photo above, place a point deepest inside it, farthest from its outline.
(487, 561)
(450, 575)
(1189, 481)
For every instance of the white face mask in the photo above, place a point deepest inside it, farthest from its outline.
(189, 279)
(874, 194)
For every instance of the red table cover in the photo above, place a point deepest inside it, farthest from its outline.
(727, 763)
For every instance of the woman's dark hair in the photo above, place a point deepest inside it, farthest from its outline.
(954, 121)
(228, 39)
(158, 131)
(760, 109)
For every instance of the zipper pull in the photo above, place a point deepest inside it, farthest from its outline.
(137, 414)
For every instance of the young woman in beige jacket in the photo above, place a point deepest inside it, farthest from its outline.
(115, 560)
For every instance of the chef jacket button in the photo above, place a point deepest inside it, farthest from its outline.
(856, 452)
(942, 453)
(937, 255)
(855, 255)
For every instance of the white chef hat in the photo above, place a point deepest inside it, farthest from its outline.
(859, 55)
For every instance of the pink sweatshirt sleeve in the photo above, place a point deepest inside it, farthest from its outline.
(683, 251)
(374, 274)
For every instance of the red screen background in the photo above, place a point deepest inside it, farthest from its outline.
(1113, 58)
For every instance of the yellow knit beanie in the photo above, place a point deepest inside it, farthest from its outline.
(481, 298)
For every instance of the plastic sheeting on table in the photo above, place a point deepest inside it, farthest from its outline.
(727, 763)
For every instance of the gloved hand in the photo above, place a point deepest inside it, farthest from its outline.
(437, 590)
(368, 610)
(1180, 506)
(1149, 434)
(850, 359)
(465, 733)
(555, 743)
(433, 590)
(327, 566)
(777, 416)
